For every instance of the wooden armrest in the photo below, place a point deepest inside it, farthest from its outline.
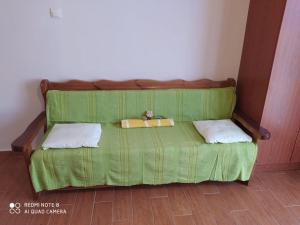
(24, 142)
(256, 132)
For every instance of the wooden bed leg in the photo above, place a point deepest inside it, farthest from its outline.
(35, 195)
(243, 182)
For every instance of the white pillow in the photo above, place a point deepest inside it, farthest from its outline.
(221, 131)
(74, 135)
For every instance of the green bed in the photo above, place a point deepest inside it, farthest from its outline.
(141, 155)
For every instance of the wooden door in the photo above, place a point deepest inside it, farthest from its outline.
(281, 115)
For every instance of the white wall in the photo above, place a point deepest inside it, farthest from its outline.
(110, 39)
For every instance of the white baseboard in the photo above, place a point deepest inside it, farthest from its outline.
(5, 150)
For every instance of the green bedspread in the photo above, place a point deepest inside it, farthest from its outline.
(143, 156)
(114, 106)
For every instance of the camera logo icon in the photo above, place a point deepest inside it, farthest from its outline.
(14, 208)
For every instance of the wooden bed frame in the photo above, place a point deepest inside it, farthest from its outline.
(24, 142)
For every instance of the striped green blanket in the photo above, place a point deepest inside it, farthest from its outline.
(114, 106)
(143, 156)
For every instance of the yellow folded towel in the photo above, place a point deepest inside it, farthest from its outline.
(134, 123)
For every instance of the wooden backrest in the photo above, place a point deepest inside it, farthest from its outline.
(72, 85)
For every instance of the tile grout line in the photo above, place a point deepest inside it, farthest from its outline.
(92, 214)
(278, 199)
(238, 210)
(73, 208)
(102, 201)
(51, 216)
(189, 214)
(150, 202)
(111, 213)
(131, 221)
(169, 209)
(291, 206)
(211, 193)
(158, 197)
(49, 219)
(175, 214)
(112, 208)
(112, 205)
